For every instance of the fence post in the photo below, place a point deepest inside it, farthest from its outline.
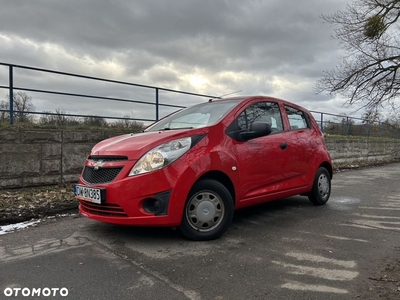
(11, 92)
(367, 127)
(347, 126)
(322, 122)
(156, 104)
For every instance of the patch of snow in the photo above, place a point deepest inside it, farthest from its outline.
(17, 226)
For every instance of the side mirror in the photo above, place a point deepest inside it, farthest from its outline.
(257, 129)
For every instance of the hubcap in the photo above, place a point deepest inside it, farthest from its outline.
(323, 186)
(205, 211)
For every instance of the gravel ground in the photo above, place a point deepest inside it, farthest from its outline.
(18, 205)
(384, 283)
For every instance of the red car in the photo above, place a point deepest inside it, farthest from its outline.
(192, 169)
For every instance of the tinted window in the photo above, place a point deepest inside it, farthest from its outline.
(297, 118)
(268, 112)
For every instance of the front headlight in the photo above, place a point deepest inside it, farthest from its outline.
(161, 156)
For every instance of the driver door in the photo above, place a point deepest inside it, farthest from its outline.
(263, 162)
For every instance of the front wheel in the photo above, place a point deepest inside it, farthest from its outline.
(321, 190)
(208, 211)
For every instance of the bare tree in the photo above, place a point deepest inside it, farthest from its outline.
(94, 121)
(22, 104)
(128, 124)
(394, 119)
(58, 119)
(4, 114)
(372, 117)
(368, 31)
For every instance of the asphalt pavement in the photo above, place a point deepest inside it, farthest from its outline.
(286, 249)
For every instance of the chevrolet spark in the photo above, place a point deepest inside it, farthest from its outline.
(194, 168)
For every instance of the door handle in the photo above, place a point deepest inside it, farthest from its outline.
(283, 146)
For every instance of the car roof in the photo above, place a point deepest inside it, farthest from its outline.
(258, 97)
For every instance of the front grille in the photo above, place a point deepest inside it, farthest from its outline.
(111, 210)
(103, 175)
(107, 158)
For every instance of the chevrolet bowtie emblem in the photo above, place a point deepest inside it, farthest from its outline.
(98, 164)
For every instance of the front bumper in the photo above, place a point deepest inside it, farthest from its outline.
(129, 199)
(116, 214)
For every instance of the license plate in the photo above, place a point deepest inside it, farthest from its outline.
(94, 195)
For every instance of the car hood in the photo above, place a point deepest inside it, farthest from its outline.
(135, 145)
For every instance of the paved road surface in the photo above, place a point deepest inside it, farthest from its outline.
(282, 250)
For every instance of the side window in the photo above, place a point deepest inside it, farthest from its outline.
(297, 118)
(268, 112)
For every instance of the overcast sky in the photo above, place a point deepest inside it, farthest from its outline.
(266, 47)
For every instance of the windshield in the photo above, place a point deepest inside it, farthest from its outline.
(201, 115)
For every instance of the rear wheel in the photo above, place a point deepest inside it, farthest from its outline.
(321, 190)
(208, 211)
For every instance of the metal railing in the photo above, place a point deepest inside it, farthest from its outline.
(11, 88)
(329, 123)
(335, 124)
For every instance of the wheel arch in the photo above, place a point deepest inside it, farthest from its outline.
(327, 166)
(223, 179)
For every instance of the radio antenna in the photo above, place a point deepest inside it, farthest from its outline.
(220, 97)
(230, 94)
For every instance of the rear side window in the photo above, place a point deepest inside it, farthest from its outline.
(297, 118)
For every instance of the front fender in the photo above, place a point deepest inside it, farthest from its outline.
(199, 166)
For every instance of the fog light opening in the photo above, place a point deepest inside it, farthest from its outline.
(153, 206)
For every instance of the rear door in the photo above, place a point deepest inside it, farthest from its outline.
(301, 140)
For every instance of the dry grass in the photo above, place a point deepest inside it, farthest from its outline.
(19, 205)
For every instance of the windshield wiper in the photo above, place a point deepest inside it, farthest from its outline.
(167, 128)
(175, 128)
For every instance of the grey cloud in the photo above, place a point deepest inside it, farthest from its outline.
(160, 42)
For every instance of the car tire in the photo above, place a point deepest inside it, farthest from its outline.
(208, 211)
(321, 190)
